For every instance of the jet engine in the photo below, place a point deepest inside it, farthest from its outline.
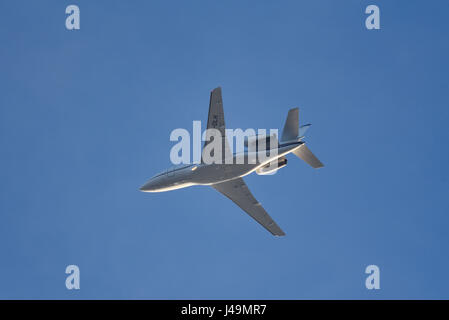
(272, 167)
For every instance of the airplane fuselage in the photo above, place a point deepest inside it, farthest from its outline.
(223, 170)
(208, 174)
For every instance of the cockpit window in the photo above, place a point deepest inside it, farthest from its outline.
(173, 169)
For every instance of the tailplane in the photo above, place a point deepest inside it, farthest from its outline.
(305, 154)
(292, 132)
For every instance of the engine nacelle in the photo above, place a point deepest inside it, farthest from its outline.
(255, 141)
(272, 167)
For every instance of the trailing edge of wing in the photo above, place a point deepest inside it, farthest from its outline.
(238, 192)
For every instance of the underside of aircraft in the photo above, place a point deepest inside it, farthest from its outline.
(236, 189)
(227, 178)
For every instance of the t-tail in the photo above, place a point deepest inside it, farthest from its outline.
(292, 132)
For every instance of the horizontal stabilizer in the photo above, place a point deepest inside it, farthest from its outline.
(302, 130)
(305, 154)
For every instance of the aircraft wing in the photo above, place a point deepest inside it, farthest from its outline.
(238, 191)
(216, 120)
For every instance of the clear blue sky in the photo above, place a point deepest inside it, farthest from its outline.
(85, 119)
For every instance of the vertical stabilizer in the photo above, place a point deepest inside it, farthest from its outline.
(291, 127)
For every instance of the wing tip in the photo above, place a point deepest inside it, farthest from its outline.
(277, 233)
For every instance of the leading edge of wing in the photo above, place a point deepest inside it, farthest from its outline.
(238, 192)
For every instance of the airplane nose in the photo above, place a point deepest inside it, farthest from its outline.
(148, 187)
